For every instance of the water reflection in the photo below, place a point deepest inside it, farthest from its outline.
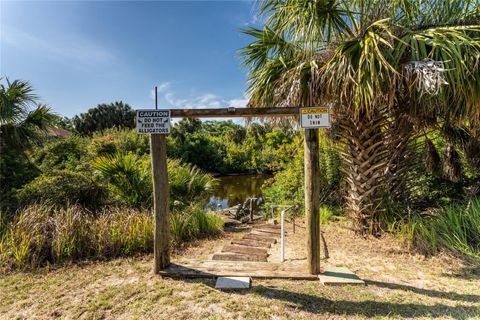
(233, 190)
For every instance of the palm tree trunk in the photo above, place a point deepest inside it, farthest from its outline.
(399, 134)
(364, 154)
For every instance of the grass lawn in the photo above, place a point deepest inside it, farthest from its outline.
(400, 284)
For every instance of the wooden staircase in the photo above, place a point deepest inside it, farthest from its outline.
(253, 246)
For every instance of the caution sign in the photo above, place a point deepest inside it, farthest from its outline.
(312, 118)
(153, 121)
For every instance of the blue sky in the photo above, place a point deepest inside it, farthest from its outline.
(79, 54)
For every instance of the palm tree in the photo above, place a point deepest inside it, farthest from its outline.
(22, 119)
(386, 68)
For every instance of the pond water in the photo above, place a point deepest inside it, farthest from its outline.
(233, 190)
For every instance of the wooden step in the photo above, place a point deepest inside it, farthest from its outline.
(269, 226)
(257, 237)
(238, 257)
(245, 250)
(269, 230)
(265, 234)
(251, 243)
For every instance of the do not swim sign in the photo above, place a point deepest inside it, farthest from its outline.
(312, 118)
(153, 121)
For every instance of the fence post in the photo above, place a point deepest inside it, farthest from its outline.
(312, 199)
(158, 152)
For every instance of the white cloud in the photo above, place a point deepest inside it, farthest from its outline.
(73, 49)
(237, 103)
(201, 101)
(162, 87)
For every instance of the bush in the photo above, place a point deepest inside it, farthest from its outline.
(63, 188)
(123, 141)
(61, 153)
(128, 177)
(42, 234)
(15, 171)
(456, 228)
(287, 187)
(188, 183)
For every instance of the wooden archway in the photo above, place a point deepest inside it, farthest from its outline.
(158, 153)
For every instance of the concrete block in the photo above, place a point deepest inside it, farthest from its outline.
(339, 276)
(233, 283)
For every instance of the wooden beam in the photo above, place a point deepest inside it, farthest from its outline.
(234, 112)
(312, 199)
(161, 246)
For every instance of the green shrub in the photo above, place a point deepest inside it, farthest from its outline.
(128, 177)
(62, 188)
(123, 141)
(15, 171)
(329, 213)
(188, 183)
(456, 228)
(61, 153)
(287, 187)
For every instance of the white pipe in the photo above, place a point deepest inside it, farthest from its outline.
(282, 239)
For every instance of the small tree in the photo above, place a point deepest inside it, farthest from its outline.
(105, 116)
(23, 122)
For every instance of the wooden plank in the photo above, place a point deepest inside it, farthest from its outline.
(245, 250)
(274, 232)
(312, 198)
(257, 237)
(238, 257)
(269, 226)
(255, 270)
(265, 234)
(252, 243)
(161, 251)
(234, 112)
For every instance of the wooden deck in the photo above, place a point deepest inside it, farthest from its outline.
(255, 270)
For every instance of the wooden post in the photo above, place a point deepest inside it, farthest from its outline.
(161, 250)
(312, 199)
(251, 209)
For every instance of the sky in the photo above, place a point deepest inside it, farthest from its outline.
(77, 54)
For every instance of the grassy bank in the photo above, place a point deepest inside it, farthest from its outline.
(42, 234)
(400, 285)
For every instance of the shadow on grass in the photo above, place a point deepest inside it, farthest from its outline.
(427, 292)
(468, 273)
(369, 308)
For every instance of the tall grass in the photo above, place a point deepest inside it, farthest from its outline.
(194, 223)
(454, 228)
(457, 228)
(43, 234)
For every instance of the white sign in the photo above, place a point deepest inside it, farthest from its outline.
(153, 121)
(312, 118)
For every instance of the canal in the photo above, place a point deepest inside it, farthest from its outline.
(233, 190)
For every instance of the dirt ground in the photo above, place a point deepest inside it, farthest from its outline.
(399, 284)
